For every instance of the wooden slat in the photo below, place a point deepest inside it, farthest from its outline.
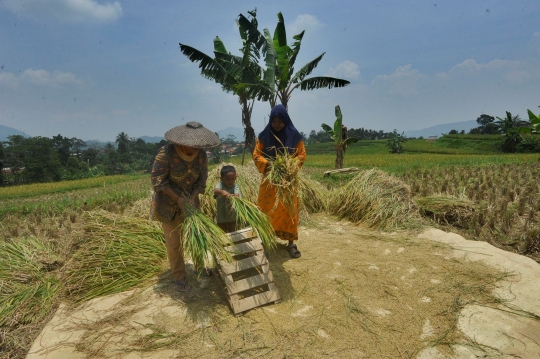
(247, 247)
(242, 264)
(242, 235)
(251, 282)
(255, 301)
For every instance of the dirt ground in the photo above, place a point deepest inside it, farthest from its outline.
(354, 293)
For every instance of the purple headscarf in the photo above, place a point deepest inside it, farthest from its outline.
(288, 136)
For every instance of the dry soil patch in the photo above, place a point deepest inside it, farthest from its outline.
(354, 293)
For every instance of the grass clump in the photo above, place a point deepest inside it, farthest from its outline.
(121, 253)
(249, 215)
(202, 238)
(375, 198)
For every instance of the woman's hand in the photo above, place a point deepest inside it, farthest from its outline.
(267, 168)
(194, 200)
(181, 201)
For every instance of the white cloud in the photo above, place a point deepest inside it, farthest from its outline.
(8, 79)
(515, 72)
(303, 22)
(347, 70)
(66, 10)
(471, 65)
(402, 82)
(40, 78)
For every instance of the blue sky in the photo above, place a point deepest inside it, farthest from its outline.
(91, 69)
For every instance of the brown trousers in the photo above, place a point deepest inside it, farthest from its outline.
(175, 252)
(227, 227)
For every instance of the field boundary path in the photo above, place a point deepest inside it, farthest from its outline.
(354, 293)
(512, 333)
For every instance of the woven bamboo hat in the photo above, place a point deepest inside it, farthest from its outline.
(193, 134)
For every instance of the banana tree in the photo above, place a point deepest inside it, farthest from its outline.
(512, 128)
(395, 142)
(535, 122)
(336, 133)
(286, 81)
(241, 75)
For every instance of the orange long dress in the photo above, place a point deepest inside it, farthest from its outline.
(284, 222)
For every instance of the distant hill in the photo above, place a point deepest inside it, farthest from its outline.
(9, 131)
(235, 131)
(443, 128)
(152, 139)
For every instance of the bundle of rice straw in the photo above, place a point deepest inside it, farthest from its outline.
(121, 252)
(284, 175)
(313, 195)
(248, 180)
(445, 209)
(202, 238)
(28, 290)
(249, 215)
(375, 198)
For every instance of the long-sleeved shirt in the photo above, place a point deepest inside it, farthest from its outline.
(181, 173)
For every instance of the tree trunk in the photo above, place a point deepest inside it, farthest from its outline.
(339, 157)
(249, 132)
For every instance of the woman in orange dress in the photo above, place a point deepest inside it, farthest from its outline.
(279, 135)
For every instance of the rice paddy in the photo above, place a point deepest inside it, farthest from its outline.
(71, 242)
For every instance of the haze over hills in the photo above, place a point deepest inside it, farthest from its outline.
(6, 131)
(10, 131)
(442, 128)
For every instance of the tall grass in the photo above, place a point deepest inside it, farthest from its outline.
(36, 189)
(119, 194)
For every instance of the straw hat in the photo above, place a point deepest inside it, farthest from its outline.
(193, 134)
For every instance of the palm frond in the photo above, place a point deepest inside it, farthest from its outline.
(328, 129)
(321, 82)
(210, 68)
(307, 69)
(219, 46)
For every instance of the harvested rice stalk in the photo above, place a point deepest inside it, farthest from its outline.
(202, 238)
(27, 290)
(445, 209)
(313, 195)
(249, 215)
(121, 253)
(376, 198)
(284, 175)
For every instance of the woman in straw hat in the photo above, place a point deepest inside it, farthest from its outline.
(279, 135)
(179, 175)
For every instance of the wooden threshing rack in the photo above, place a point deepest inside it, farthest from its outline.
(247, 281)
